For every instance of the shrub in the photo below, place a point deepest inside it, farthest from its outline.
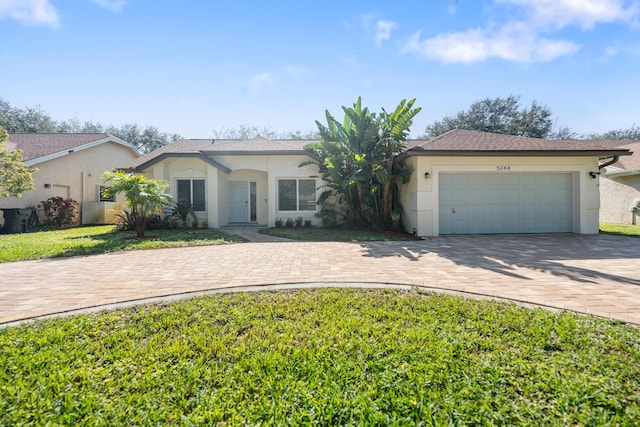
(289, 222)
(184, 213)
(299, 221)
(279, 222)
(59, 212)
(124, 221)
(307, 223)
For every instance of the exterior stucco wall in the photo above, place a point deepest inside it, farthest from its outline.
(420, 196)
(265, 170)
(78, 176)
(616, 196)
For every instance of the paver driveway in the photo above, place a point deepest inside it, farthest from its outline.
(590, 274)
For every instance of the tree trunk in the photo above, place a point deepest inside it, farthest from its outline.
(140, 222)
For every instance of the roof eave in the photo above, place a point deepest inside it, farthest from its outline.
(71, 150)
(508, 153)
(622, 173)
(141, 167)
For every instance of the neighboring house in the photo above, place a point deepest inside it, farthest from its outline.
(620, 187)
(70, 165)
(463, 182)
(468, 182)
(237, 181)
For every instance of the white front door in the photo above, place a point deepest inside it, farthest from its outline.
(238, 201)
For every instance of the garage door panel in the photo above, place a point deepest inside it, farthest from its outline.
(477, 203)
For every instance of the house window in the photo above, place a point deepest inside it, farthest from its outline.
(102, 197)
(297, 195)
(191, 192)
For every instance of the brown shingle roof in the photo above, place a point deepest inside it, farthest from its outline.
(192, 147)
(36, 145)
(627, 163)
(468, 142)
(632, 162)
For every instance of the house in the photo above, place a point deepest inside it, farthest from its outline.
(237, 181)
(620, 187)
(463, 182)
(70, 165)
(468, 182)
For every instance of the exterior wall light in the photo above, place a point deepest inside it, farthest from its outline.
(594, 175)
(47, 186)
(427, 175)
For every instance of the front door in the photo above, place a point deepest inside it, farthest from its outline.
(242, 201)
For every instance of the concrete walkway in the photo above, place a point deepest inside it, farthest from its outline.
(590, 274)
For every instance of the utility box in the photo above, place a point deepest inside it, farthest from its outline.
(16, 220)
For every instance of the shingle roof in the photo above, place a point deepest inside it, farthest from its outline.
(36, 145)
(468, 142)
(222, 146)
(627, 163)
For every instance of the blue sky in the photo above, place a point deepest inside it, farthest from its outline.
(192, 67)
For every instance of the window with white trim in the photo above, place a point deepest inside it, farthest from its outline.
(296, 194)
(191, 192)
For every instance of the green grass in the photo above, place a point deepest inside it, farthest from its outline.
(101, 239)
(620, 229)
(334, 234)
(324, 357)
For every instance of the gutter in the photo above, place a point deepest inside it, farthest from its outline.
(613, 160)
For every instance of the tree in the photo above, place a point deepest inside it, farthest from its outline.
(144, 196)
(246, 131)
(35, 120)
(15, 176)
(32, 120)
(357, 162)
(145, 140)
(499, 115)
(632, 133)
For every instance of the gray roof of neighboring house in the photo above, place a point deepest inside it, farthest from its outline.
(469, 142)
(38, 147)
(202, 147)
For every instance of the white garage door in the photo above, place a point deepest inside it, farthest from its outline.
(489, 203)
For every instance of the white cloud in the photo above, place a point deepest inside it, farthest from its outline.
(528, 36)
(583, 13)
(30, 12)
(510, 43)
(112, 5)
(383, 30)
(259, 81)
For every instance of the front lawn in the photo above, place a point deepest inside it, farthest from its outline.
(315, 234)
(620, 229)
(101, 239)
(321, 357)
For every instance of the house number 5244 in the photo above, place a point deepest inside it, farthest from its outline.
(503, 168)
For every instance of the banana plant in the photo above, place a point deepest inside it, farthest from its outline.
(356, 159)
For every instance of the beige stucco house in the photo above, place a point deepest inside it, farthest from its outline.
(463, 182)
(70, 166)
(237, 181)
(620, 187)
(468, 182)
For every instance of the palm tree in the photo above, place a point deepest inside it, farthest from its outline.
(143, 195)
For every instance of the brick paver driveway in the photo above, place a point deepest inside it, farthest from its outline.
(590, 274)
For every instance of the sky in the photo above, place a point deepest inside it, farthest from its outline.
(194, 67)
